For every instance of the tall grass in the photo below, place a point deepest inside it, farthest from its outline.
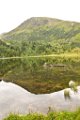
(64, 115)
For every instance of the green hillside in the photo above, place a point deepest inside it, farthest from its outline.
(41, 35)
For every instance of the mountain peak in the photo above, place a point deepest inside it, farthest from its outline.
(38, 21)
(42, 35)
(43, 23)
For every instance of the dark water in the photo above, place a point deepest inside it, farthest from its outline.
(41, 75)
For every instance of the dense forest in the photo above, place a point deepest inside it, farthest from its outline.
(41, 36)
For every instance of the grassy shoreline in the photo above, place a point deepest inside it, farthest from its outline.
(64, 115)
(66, 55)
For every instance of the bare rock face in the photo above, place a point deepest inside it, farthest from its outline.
(14, 99)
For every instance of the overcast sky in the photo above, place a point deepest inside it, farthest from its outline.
(14, 12)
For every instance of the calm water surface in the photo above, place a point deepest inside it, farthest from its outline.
(41, 75)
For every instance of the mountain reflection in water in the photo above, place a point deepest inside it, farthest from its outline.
(41, 75)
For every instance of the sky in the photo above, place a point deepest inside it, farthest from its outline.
(14, 12)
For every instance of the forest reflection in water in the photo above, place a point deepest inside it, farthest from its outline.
(41, 75)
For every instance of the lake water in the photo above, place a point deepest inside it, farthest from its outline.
(41, 75)
(14, 99)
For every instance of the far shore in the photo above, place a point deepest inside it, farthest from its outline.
(65, 55)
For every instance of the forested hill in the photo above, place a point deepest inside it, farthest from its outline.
(41, 35)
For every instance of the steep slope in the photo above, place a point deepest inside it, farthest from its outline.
(40, 28)
(41, 35)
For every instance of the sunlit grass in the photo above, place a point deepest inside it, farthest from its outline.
(64, 55)
(63, 115)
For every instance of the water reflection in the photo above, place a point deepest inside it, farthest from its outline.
(14, 99)
(41, 75)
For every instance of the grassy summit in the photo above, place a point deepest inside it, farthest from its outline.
(42, 35)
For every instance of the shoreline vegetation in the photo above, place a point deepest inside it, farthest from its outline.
(63, 115)
(66, 55)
